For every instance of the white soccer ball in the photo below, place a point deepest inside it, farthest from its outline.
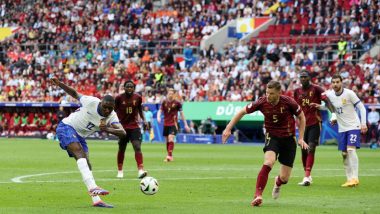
(149, 186)
(50, 136)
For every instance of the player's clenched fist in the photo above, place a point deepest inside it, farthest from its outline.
(102, 125)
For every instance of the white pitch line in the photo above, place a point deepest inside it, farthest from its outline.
(19, 179)
(173, 179)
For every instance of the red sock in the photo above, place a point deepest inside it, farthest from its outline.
(304, 158)
(170, 148)
(139, 160)
(280, 182)
(167, 146)
(120, 160)
(262, 179)
(309, 164)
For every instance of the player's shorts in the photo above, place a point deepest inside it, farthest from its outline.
(132, 135)
(170, 130)
(148, 126)
(312, 134)
(284, 147)
(67, 135)
(348, 138)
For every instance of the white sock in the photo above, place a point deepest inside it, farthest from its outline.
(87, 176)
(354, 163)
(95, 199)
(347, 168)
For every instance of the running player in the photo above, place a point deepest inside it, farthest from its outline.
(170, 108)
(280, 143)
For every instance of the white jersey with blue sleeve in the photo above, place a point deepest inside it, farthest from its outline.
(346, 114)
(86, 119)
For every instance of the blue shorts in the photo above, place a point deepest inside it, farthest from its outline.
(349, 138)
(66, 135)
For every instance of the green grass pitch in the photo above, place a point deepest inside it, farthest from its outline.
(36, 176)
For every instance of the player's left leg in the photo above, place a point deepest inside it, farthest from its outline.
(286, 157)
(136, 142)
(281, 179)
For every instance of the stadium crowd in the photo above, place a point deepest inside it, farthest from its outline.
(95, 46)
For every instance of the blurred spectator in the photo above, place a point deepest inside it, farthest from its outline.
(188, 55)
(148, 115)
(208, 126)
(61, 114)
(373, 122)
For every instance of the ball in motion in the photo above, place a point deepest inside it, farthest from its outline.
(149, 186)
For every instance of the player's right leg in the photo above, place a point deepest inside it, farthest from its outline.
(262, 177)
(170, 148)
(121, 154)
(76, 147)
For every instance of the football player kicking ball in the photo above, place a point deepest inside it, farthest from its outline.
(128, 107)
(349, 126)
(280, 142)
(93, 116)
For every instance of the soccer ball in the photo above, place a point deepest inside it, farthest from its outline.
(50, 136)
(149, 186)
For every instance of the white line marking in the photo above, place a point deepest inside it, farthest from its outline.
(20, 179)
(174, 179)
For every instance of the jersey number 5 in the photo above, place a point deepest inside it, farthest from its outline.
(275, 119)
(90, 126)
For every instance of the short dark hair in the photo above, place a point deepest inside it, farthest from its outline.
(109, 98)
(129, 81)
(274, 84)
(337, 76)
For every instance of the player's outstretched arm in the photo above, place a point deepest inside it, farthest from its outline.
(115, 129)
(72, 92)
(232, 123)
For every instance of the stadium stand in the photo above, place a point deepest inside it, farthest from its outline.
(95, 46)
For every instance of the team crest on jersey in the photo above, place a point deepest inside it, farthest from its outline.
(344, 101)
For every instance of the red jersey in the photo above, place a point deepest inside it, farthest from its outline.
(278, 119)
(170, 110)
(127, 109)
(304, 97)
